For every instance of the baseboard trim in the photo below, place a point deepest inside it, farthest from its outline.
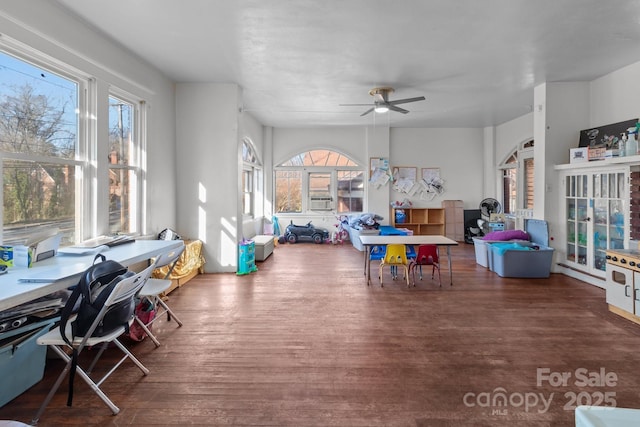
(581, 275)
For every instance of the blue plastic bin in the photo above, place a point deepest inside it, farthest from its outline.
(523, 259)
(387, 230)
(22, 360)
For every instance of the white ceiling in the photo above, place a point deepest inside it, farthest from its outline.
(476, 62)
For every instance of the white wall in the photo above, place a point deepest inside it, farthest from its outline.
(615, 97)
(50, 30)
(377, 200)
(561, 111)
(510, 134)
(208, 164)
(288, 142)
(457, 152)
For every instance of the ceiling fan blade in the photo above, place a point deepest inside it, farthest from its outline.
(354, 105)
(397, 109)
(406, 100)
(367, 112)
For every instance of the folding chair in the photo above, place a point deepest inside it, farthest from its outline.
(126, 289)
(155, 287)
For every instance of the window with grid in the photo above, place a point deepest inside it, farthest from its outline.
(52, 174)
(124, 165)
(251, 178)
(42, 160)
(319, 180)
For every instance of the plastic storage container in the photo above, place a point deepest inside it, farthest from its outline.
(523, 259)
(377, 252)
(22, 360)
(482, 249)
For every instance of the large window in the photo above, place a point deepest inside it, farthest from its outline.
(53, 175)
(124, 155)
(518, 179)
(41, 156)
(319, 180)
(251, 178)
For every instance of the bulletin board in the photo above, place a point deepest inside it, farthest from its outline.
(379, 173)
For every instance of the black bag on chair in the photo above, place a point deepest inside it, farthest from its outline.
(87, 299)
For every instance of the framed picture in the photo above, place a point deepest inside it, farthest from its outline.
(605, 136)
(405, 173)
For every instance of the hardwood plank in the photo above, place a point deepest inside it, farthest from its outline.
(305, 342)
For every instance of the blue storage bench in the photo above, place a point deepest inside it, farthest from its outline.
(523, 259)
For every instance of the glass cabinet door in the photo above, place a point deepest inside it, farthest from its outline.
(608, 215)
(596, 204)
(576, 194)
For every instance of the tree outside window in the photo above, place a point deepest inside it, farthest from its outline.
(39, 150)
(319, 178)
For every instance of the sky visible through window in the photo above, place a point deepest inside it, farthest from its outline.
(15, 74)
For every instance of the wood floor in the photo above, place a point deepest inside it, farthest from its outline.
(305, 342)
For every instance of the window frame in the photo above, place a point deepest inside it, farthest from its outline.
(251, 168)
(91, 213)
(83, 141)
(135, 164)
(306, 171)
(523, 154)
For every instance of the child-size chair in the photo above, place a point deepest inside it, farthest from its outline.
(395, 256)
(427, 255)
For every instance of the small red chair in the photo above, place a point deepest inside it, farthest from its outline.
(427, 255)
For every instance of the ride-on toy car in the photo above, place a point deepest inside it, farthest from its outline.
(295, 233)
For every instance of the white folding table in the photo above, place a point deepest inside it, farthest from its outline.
(374, 240)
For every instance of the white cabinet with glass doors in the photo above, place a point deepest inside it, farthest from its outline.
(595, 208)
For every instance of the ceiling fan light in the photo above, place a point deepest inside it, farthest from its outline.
(381, 109)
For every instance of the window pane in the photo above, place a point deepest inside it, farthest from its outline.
(37, 196)
(319, 185)
(350, 191)
(319, 158)
(247, 189)
(249, 154)
(528, 172)
(320, 192)
(288, 191)
(122, 201)
(121, 136)
(123, 185)
(38, 110)
(509, 188)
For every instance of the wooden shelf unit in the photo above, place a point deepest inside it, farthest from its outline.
(422, 221)
(454, 219)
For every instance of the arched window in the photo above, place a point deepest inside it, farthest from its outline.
(319, 180)
(251, 177)
(518, 179)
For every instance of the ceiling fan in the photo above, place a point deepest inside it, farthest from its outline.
(381, 103)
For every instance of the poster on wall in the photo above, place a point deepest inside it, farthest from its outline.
(379, 173)
(605, 136)
(404, 178)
